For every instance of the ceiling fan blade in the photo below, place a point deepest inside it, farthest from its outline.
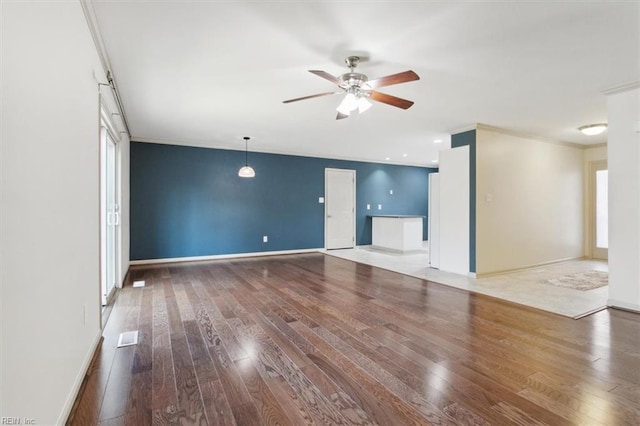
(391, 100)
(326, 76)
(389, 80)
(310, 97)
(340, 116)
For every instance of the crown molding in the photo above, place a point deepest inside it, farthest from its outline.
(108, 78)
(463, 129)
(481, 126)
(622, 88)
(596, 145)
(94, 29)
(211, 145)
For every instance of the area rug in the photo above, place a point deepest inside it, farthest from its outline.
(586, 280)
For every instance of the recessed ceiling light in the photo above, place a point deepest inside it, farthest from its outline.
(593, 129)
(437, 141)
(404, 155)
(387, 158)
(434, 161)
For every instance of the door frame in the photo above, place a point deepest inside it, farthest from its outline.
(594, 252)
(327, 170)
(106, 126)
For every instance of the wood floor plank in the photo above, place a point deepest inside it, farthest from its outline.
(269, 408)
(380, 394)
(313, 339)
(215, 402)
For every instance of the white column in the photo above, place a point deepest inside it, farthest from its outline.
(454, 210)
(623, 110)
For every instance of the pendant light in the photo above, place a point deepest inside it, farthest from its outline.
(246, 171)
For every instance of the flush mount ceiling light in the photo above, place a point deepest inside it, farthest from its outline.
(593, 129)
(246, 171)
(359, 89)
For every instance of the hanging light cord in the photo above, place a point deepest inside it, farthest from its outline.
(246, 151)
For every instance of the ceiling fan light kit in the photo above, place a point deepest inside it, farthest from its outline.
(359, 90)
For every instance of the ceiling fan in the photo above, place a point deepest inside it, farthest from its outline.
(359, 89)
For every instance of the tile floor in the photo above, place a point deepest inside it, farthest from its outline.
(523, 287)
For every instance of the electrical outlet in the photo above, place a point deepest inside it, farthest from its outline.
(368, 206)
(265, 239)
(391, 192)
(379, 206)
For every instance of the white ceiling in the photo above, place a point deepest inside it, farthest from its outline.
(207, 73)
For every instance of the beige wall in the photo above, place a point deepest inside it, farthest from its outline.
(529, 202)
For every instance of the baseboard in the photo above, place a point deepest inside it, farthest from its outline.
(221, 256)
(125, 280)
(625, 306)
(522, 268)
(77, 384)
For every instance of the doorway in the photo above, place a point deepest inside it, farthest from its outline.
(600, 210)
(109, 211)
(339, 207)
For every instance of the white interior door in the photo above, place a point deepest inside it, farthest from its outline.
(600, 211)
(340, 212)
(434, 220)
(110, 216)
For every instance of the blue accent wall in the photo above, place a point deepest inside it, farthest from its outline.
(188, 201)
(464, 139)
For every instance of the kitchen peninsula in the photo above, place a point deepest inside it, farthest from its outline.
(400, 233)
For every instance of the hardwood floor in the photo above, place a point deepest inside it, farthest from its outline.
(314, 339)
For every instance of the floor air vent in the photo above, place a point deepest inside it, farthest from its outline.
(127, 339)
(137, 284)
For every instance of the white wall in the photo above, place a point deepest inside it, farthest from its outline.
(49, 213)
(529, 202)
(454, 210)
(434, 220)
(623, 110)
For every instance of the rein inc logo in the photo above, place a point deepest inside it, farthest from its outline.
(17, 421)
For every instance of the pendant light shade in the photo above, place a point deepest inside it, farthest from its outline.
(246, 171)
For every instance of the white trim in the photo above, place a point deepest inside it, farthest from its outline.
(622, 88)
(597, 145)
(227, 147)
(463, 129)
(480, 126)
(516, 133)
(613, 303)
(105, 117)
(94, 29)
(522, 268)
(221, 256)
(75, 389)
